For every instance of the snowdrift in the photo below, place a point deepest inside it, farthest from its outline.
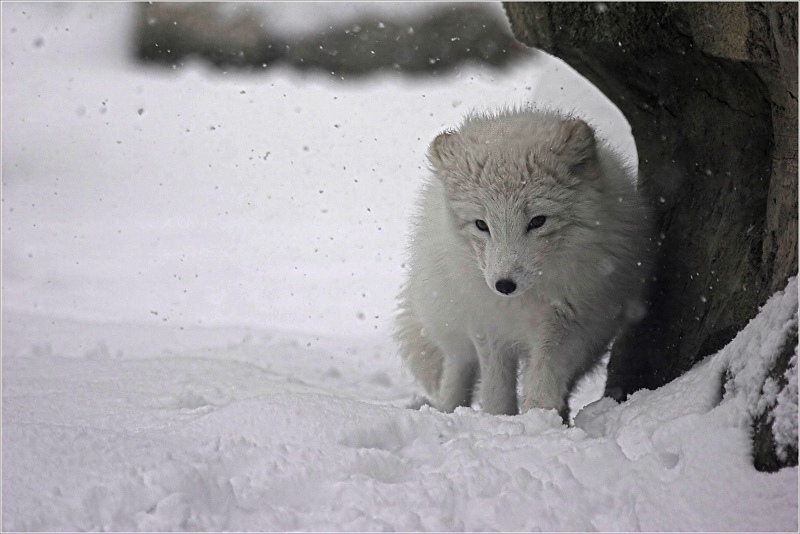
(208, 440)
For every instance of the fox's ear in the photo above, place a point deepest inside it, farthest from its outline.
(444, 151)
(575, 143)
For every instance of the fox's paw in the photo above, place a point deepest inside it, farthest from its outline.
(418, 401)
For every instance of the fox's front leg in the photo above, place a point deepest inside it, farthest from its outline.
(566, 347)
(548, 371)
(460, 369)
(542, 387)
(562, 356)
(498, 378)
(458, 381)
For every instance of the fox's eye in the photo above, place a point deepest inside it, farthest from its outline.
(481, 224)
(536, 222)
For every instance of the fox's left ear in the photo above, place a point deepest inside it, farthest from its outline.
(575, 144)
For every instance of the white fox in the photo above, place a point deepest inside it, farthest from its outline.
(532, 245)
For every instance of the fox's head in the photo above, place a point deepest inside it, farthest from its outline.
(521, 190)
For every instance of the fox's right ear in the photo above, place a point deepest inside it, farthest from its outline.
(443, 152)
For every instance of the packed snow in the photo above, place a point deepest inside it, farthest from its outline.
(199, 272)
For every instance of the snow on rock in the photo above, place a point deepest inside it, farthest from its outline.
(750, 356)
(784, 422)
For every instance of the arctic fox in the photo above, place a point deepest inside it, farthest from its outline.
(531, 244)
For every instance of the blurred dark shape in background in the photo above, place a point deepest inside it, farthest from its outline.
(431, 41)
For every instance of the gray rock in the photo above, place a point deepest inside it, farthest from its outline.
(434, 42)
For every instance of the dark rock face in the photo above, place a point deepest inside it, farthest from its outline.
(435, 42)
(710, 91)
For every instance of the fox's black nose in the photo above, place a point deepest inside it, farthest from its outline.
(506, 286)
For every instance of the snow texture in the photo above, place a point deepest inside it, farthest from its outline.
(199, 271)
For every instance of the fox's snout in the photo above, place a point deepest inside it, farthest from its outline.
(504, 272)
(506, 286)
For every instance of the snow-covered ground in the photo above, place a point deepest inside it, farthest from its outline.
(199, 271)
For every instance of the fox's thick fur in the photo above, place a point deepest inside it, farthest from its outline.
(531, 244)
